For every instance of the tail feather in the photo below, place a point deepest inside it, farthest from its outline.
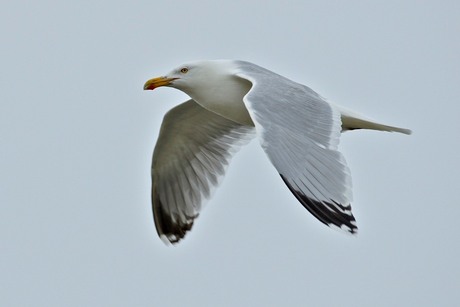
(352, 121)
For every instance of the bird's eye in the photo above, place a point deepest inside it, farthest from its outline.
(184, 70)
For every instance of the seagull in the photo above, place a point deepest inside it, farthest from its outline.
(231, 103)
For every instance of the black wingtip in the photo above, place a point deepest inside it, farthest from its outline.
(327, 213)
(168, 229)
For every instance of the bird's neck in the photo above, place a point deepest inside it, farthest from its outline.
(225, 98)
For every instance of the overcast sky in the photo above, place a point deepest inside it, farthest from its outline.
(77, 133)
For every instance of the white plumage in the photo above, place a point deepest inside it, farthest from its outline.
(232, 101)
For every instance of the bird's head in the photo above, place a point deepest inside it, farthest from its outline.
(192, 75)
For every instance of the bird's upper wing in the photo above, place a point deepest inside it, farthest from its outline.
(299, 132)
(193, 149)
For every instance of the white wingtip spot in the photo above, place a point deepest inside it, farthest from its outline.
(167, 241)
(345, 229)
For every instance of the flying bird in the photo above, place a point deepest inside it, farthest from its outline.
(231, 103)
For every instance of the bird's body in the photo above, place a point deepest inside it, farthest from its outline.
(232, 101)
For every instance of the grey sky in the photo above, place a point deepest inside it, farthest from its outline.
(77, 133)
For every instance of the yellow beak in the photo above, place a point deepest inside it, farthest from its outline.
(157, 82)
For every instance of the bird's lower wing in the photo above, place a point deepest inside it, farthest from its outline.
(193, 149)
(300, 132)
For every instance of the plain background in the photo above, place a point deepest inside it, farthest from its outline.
(77, 132)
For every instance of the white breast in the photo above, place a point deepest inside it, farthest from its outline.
(218, 90)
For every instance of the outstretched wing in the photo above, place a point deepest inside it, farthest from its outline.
(299, 132)
(193, 149)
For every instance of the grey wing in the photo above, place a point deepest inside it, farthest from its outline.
(191, 154)
(299, 132)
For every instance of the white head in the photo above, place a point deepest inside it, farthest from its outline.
(194, 75)
(212, 84)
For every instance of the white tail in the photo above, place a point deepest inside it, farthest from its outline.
(351, 120)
